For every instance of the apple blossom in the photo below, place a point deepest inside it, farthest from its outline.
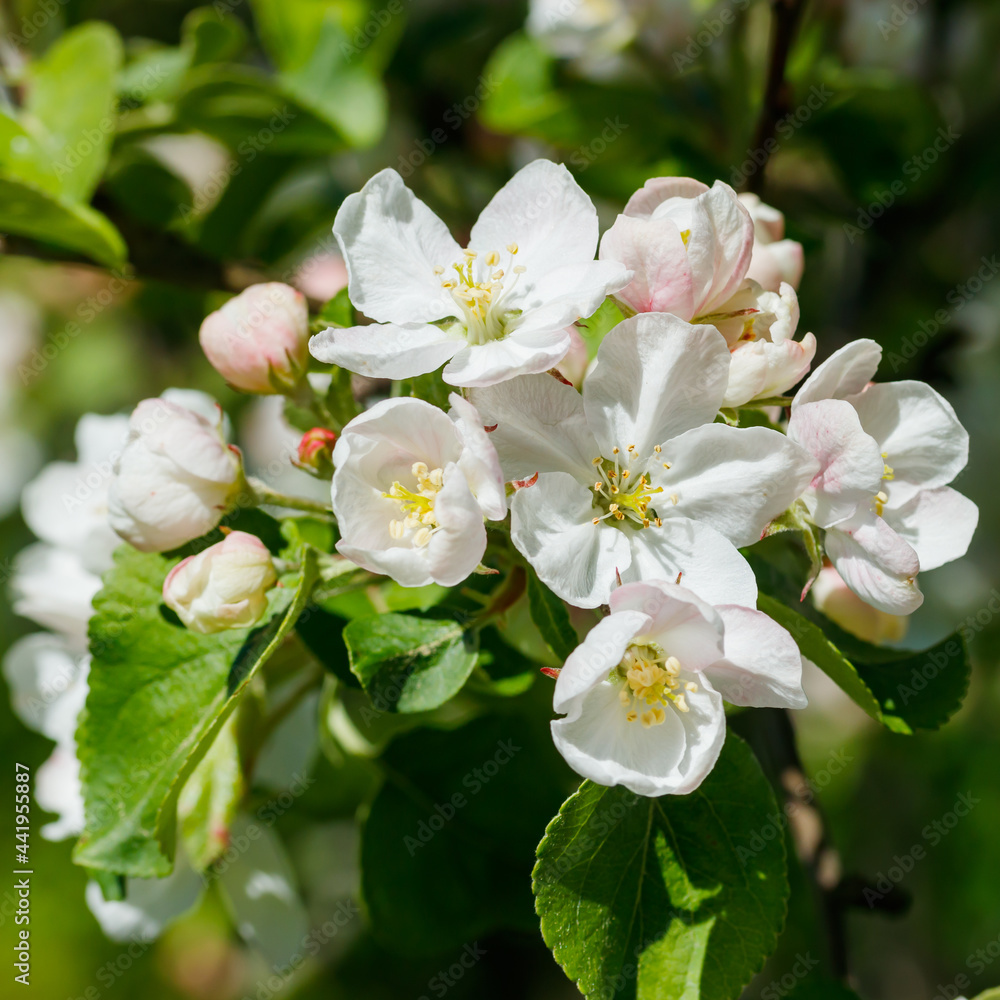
(843, 607)
(315, 450)
(643, 693)
(259, 340)
(175, 478)
(887, 453)
(775, 260)
(224, 586)
(635, 477)
(492, 311)
(411, 489)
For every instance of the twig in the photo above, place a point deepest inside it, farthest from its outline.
(777, 92)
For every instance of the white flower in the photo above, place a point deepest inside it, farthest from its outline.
(411, 489)
(175, 478)
(643, 693)
(66, 506)
(48, 685)
(635, 477)
(775, 260)
(495, 310)
(224, 586)
(887, 453)
(843, 607)
(591, 30)
(259, 340)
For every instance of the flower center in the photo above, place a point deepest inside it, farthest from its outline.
(481, 289)
(623, 495)
(882, 498)
(650, 680)
(418, 522)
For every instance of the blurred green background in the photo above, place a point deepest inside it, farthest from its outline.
(219, 141)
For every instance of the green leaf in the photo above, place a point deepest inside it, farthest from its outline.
(71, 100)
(663, 899)
(31, 211)
(594, 329)
(337, 312)
(549, 613)
(448, 844)
(208, 802)
(159, 696)
(523, 95)
(409, 664)
(992, 994)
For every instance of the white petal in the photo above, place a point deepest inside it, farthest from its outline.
(704, 735)
(784, 364)
(546, 213)
(48, 684)
(876, 563)
(680, 622)
(938, 525)
(100, 439)
(52, 587)
(600, 652)
(656, 377)
(385, 350)
(658, 191)
(706, 563)
(57, 790)
(391, 242)
(479, 462)
(774, 263)
(458, 544)
(552, 527)
(843, 374)
(762, 664)
(917, 429)
(736, 479)
(149, 905)
(540, 427)
(850, 463)
(519, 353)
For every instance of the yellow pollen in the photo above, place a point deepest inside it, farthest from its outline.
(512, 248)
(649, 682)
(492, 259)
(657, 449)
(417, 507)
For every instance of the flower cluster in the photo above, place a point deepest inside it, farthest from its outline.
(626, 481)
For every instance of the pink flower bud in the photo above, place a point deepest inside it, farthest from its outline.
(316, 449)
(259, 340)
(225, 586)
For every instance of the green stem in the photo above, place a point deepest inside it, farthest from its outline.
(263, 494)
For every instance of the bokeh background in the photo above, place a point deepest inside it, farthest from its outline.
(235, 133)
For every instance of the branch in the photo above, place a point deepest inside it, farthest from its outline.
(777, 92)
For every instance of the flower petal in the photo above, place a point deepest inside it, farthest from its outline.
(762, 665)
(457, 546)
(385, 350)
(917, 430)
(656, 377)
(552, 527)
(938, 525)
(843, 374)
(736, 479)
(659, 190)
(391, 242)
(876, 563)
(479, 462)
(697, 557)
(540, 427)
(519, 353)
(850, 464)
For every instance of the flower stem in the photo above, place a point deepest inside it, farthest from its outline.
(263, 494)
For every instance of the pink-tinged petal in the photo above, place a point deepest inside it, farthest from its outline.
(654, 251)
(876, 563)
(697, 557)
(680, 622)
(938, 524)
(748, 370)
(762, 665)
(760, 369)
(658, 190)
(656, 377)
(768, 222)
(774, 263)
(719, 247)
(843, 374)
(737, 479)
(843, 607)
(546, 213)
(850, 464)
(599, 653)
(386, 350)
(540, 427)
(519, 353)
(924, 443)
(552, 527)
(391, 242)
